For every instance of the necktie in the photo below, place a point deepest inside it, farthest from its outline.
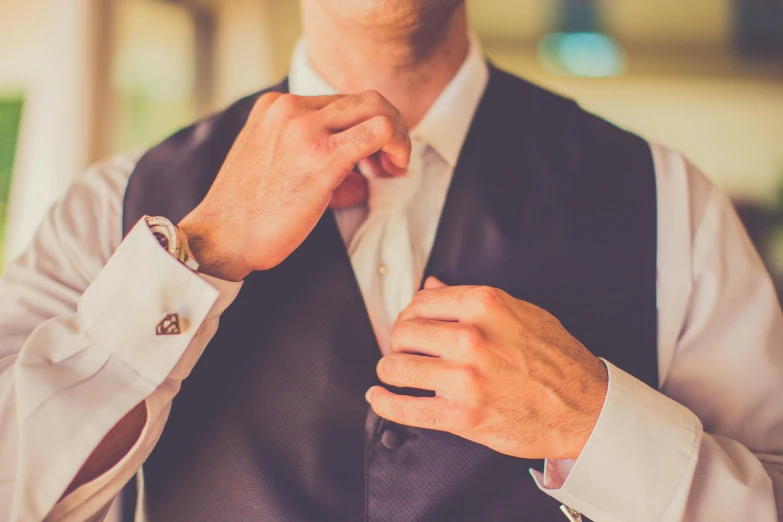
(381, 251)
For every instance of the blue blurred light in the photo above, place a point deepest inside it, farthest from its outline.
(589, 55)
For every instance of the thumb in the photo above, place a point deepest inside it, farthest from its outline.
(433, 282)
(389, 167)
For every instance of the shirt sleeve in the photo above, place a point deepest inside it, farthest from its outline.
(709, 445)
(79, 349)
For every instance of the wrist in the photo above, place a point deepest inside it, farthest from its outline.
(595, 395)
(172, 240)
(207, 243)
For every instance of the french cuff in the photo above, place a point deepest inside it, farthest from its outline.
(145, 306)
(643, 449)
(139, 316)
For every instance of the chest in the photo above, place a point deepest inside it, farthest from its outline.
(272, 423)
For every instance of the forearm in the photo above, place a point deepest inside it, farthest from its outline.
(68, 390)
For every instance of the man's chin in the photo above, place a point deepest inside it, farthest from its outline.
(391, 13)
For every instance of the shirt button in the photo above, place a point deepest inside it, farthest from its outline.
(392, 438)
(383, 270)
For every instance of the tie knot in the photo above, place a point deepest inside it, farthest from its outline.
(393, 194)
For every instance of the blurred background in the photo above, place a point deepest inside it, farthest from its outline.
(81, 80)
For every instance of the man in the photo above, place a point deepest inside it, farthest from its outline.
(545, 237)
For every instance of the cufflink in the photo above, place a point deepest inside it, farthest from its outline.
(169, 325)
(573, 515)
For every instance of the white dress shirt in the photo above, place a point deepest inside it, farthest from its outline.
(78, 347)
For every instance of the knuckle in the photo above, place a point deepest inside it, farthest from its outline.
(265, 100)
(396, 339)
(418, 371)
(384, 127)
(377, 99)
(411, 370)
(362, 136)
(419, 298)
(425, 417)
(413, 309)
(469, 337)
(308, 139)
(298, 128)
(402, 368)
(485, 298)
(467, 417)
(387, 366)
(397, 411)
(316, 146)
(467, 381)
(350, 101)
(286, 104)
(401, 332)
(373, 97)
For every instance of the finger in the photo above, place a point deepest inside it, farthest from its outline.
(322, 100)
(351, 193)
(282, 106)
(315, 103)
(377, 134)
(372, 168)
(413, 371)
(455, 303)
(265, 101)
(433, 282)
(443, 304)
(428, 337)
(352, 109)
(418, 412)
(389, 167)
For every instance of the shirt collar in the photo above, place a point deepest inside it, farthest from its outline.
(446, 123)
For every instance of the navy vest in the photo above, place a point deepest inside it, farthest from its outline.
(549, 203)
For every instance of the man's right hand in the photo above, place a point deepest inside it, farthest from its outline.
(292, 156)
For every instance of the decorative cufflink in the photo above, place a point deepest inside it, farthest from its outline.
(573, 515)
(169, 325)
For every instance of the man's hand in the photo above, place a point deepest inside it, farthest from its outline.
(506, 373)
(282, 172)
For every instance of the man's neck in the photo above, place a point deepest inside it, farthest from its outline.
(409, 65)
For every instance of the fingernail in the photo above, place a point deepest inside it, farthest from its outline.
(368, 395)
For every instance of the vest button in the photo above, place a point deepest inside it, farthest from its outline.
(392, 439)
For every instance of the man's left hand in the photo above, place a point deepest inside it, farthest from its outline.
(506, 374)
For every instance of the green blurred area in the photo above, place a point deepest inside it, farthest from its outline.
(10, 118)
(144, 121)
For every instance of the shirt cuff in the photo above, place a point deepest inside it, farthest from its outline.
(141, 286)
(643, 448)
(121, 309)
